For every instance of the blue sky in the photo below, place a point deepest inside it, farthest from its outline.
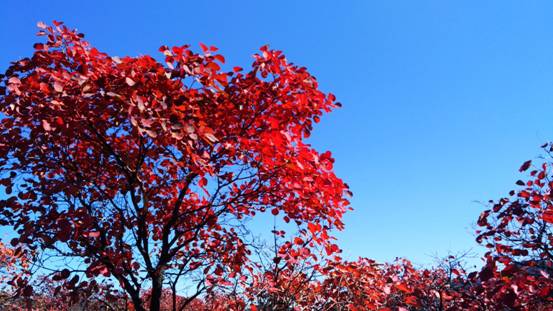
(443, 100)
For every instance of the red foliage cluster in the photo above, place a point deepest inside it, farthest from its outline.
(367, 285)
(140, 175)
(519, 235)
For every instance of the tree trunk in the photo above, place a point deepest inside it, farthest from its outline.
(137, 303)
(155, 295)
(174, 296)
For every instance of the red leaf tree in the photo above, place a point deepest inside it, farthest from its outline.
(143, 173)
(518, 232)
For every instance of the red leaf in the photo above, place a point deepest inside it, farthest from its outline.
(220, 58)
(331, 249)
(412, 300)
(14, 80)
(204, 47)
(211, 138)
(93, 234)
(58, 87)
(130, 81)
(314, 228)
(202, 182)
(403, 287)
(64, 274)
(548, 216)
(525, 166)
(46, 125)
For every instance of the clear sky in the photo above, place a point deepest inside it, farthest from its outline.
(443, 100)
